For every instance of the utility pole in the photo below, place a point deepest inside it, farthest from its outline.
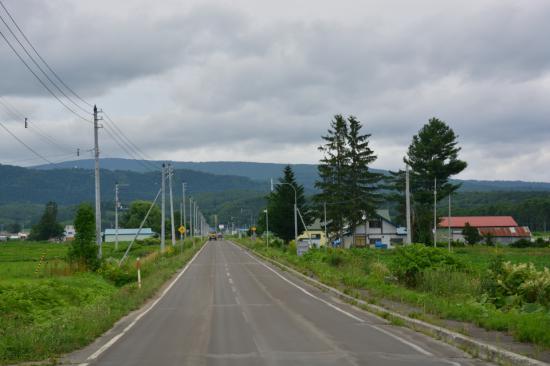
(97, 190)
(267, 226)
(183, 214)
(191, 216)
(163, 210)
(172, 224)
(449, 222)
(325, 212)
(408, 204)
(116, 215)
(435, 212)
(197, 219)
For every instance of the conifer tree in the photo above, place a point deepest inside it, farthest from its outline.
(281, 206)
(360, 183)
(332, 174)
(48, 227)
(433, 159)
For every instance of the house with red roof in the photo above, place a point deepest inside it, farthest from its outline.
(504, 229)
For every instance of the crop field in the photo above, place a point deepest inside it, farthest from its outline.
(48, 307)
(471, 284)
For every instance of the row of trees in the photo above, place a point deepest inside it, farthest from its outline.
(350, 190)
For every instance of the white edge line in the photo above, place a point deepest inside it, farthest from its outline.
(410, 344)
(113, 340)
(402, 340)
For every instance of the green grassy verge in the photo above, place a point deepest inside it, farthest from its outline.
(52, 311)
(440, 292)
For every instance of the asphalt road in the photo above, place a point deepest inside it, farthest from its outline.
(228, 308)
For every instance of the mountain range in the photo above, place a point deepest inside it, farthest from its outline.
(233, 190)
(306, 174)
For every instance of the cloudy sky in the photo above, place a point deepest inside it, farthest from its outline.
(251, 80)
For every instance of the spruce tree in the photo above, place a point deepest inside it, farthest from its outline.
(281, 207)
(360, 182)
(332, 174)
(48, 227)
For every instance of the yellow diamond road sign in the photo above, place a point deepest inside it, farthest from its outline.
(181, 229)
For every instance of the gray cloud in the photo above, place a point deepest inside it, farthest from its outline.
(210, 81)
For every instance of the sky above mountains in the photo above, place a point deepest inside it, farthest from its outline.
(260, 80)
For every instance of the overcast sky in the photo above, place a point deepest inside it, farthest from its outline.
(253, 80)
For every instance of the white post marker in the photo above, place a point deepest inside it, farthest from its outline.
(138, 266)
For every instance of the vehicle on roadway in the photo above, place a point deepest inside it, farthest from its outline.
(212, 236)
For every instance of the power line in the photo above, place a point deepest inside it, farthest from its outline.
(11, 109)
(38, 66)
(135, 147)
(24, 144)
(41, 81)
(148, 166)
(17, 115)
(42, 59)
(36, 130)
(29, 160)
(118, 136)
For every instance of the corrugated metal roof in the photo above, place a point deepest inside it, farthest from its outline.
(479, 221)
(144, 231)
(517, 231)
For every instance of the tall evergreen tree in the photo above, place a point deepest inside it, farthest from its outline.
(360, 182)
(348, 186)
(432, 157)
(48, 227)
(281, 206)
(332, 174)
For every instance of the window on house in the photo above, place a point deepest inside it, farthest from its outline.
(375, 224)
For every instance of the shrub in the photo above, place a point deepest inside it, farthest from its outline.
(410, 261)
(525, 243)
(512, 285)
(276, 243)
(151, 241)
(379, 270)
(118, 275)
(335, 258)
(522, 243)
(291, 247)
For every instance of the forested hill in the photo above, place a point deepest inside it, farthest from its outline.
(306, 174)
(72, 186)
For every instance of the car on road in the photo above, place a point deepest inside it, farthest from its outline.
(212, 236)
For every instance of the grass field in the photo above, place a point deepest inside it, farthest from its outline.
(440, 293)
(48, 308)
